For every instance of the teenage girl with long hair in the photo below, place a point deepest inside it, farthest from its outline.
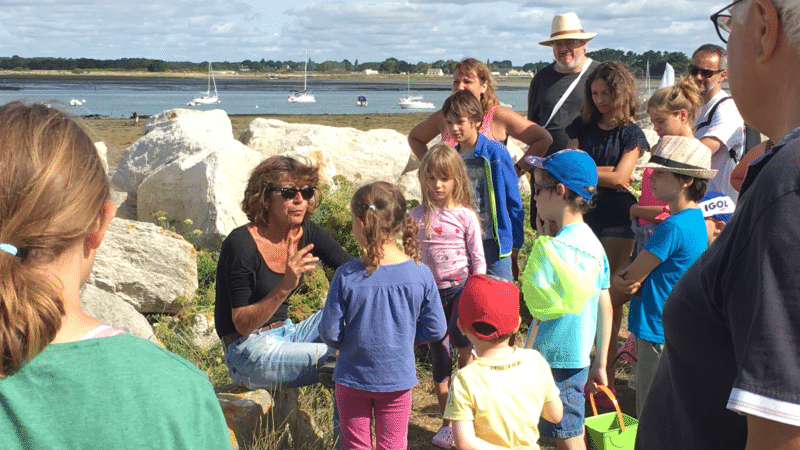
(378, 307)
(66, 379)
(607, 132)
(450, 237)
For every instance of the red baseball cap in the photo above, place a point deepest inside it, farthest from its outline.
(490, 300)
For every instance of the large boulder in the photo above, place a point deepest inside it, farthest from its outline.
(215, 119)
(375, 155)
(145, 266)
(205, 187)
(115, 312)
(170, 136)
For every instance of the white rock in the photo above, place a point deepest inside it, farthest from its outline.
(115, 312)
(170, 136)
(145, 266)
(409, 184)
(206, 187)
(215, 120)
(102, 151)
(203, 332)
(375, 155)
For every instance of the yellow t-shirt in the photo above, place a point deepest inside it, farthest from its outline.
(503, 397)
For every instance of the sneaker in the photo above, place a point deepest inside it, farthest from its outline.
(325, 372)
(443, 438)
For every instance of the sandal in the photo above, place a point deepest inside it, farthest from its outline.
(443, 438)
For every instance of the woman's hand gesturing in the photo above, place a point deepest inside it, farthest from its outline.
(298, 261)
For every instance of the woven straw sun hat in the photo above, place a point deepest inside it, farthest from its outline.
(566, 26)
(683, 155)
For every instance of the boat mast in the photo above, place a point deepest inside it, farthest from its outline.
(305, 71)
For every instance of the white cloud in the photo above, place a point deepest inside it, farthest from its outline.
(415, 30)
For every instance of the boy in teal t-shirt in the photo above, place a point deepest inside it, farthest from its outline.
(682, 168)
(565, 183)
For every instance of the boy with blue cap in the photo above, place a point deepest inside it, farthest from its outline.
(564, 184)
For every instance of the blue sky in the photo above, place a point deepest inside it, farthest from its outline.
(418, 30)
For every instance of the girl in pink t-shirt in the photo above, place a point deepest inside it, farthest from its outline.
(450, 237)
(673, 110)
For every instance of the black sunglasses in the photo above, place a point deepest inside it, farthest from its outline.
(537, 188)
(705, 73)
(722, 23)
(290, 193)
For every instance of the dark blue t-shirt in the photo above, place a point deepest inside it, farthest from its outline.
(606, 147)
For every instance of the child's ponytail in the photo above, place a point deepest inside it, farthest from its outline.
(382, 208)
(31, 313)
(52, 190)
(411, 244)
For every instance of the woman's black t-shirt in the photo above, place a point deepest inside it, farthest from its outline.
(243, 277)
(606, 147)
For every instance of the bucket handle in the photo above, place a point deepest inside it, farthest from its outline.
(614, 400)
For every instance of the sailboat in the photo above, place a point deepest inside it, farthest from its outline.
(668, 79)
(207, 99)
(306, 95)
(647, 80)
(413, 101)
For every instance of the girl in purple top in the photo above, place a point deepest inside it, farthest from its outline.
(378, 307)
(452, 246)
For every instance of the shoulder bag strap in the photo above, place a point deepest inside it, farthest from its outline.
(711, 113)
(568, 91)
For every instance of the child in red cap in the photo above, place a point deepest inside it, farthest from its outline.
(498, 398)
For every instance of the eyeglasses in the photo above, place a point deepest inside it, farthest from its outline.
(537, 188)
(705, 73)
(290, 193)
(722, 23)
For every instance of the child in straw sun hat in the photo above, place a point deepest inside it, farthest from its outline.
(682, 168)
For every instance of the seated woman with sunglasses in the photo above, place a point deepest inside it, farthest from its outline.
(260, 265)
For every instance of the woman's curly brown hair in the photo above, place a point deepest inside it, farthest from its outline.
(624, 94)
(271, 173)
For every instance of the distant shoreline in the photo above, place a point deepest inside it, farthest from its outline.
(339, 77)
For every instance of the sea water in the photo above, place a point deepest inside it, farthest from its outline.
(119, 97)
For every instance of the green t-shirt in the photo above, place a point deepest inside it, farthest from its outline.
(119, 392)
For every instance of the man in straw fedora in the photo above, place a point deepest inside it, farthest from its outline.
(728, 377)
(568, 40)
(556, 92)
(681, 170)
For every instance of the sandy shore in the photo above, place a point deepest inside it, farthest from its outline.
(119, 134)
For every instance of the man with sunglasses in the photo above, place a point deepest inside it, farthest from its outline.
(729, 376)
(719, 125)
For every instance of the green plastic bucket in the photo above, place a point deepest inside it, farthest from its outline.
(605, 431)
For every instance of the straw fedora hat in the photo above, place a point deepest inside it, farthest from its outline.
(683, 155)
(566, 26)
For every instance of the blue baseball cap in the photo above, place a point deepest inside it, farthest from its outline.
(717, 205)
(574, 168)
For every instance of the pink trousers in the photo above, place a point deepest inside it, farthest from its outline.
(391, 409)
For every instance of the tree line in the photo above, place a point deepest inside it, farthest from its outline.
(636, 62)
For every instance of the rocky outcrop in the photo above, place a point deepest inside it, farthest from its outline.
(205, 187)
(168, 137)
(361, 156)
(115, 312)
(145, 266)
(250, 413)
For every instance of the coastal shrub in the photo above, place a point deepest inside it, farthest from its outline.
(334, 215)
(309, 296)
(176, 336)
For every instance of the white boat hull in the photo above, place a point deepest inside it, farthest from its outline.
(302, 97)
(204, 100)
(415, 104)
